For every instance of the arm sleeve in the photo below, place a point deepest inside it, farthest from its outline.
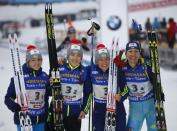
(62, 45)
(48, 90)
(10, 97)
(122, 86)
(87, 93)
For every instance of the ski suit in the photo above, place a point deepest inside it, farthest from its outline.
(36, 84)
(100, 87)
(76, 91)
(141, 97)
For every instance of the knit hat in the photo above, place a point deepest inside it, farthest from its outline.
(133, 45)
(71, 30)
(101, 51)
(75, 47)
(32, 52)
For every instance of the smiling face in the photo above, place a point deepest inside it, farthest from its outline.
(133, 55)
(103, 63)
(74, 59)
(35, 63)
(72, 36)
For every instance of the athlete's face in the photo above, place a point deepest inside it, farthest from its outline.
(74, 59)
(133, 55)
(103, 63)
(35, 63)
(72, 36)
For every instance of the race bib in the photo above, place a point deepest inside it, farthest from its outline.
(72, 92)
(36, 98)
(100, 91)
(139, 89)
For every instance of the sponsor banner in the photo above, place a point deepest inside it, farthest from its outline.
(28, 1)
(151, 5)
(114, 21)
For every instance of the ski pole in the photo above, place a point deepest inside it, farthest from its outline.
(91, 32)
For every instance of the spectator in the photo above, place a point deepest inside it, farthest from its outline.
(171, 32)
(163, 23)
(148, 24)
(156, 24)
(71, 34)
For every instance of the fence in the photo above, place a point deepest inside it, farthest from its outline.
(167, 56)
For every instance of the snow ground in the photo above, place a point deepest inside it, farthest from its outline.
(6, 117)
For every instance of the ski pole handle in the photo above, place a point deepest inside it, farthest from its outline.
(94, 26)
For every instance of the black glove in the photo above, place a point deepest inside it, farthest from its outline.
(17, 108)
(84, 39)
(62, 45)
(66, 39)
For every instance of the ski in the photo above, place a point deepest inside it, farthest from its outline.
(110, 117)
(57, 100)
(25, 121)
(158, 92)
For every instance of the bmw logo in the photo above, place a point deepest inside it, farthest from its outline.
(114, 22)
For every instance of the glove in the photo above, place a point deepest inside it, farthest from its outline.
(84, 39)
(66, 39)
(118, 61)
(62, 45)
(16, 107)
(61, 61)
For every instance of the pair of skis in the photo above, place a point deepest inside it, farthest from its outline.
(110, 118)
(25, 121)
(158, 92)
(57, 100)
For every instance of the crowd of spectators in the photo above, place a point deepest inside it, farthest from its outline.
(166, 31)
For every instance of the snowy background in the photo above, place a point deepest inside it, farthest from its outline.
(169, 77)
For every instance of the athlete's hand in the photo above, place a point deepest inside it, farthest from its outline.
(129, 129)
(118, 97)
(16, 107)
(24, 108)
(51, 81)
(118, 61)
(61, 61)
(82, 115)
